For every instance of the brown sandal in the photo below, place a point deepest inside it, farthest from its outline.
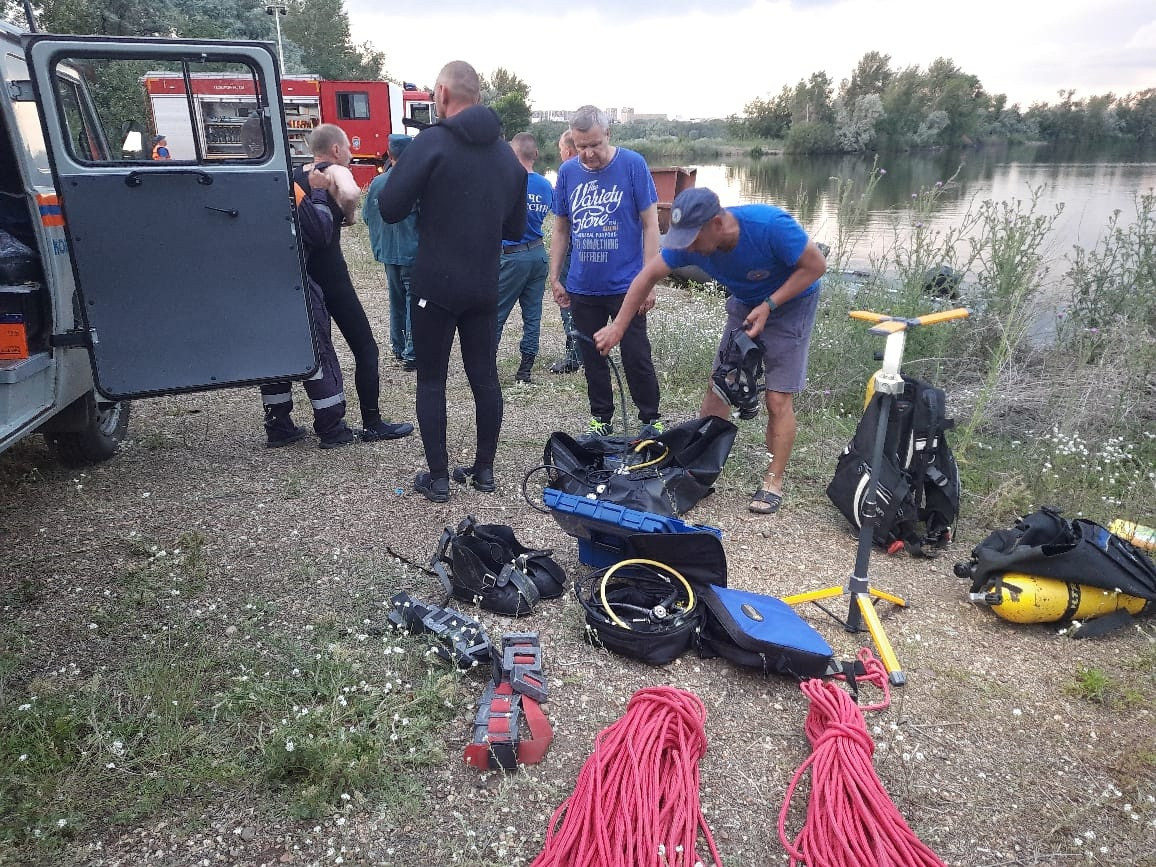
(764, 502)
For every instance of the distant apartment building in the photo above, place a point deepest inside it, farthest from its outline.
(616, 115)
(554, 115)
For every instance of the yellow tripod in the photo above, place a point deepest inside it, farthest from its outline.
(888, 383)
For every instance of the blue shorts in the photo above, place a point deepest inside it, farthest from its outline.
(787, 337)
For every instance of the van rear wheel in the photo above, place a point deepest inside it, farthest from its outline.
(98, 440)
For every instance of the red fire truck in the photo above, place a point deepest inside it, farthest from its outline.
(368, 111)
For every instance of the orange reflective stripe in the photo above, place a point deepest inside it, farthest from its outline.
(298, 194)
(49, 207)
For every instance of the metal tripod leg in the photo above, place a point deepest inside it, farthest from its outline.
(888, 383)
(861, 613)
(861, 603)
(829, 592)
(860, 610)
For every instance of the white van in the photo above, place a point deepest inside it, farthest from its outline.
(124, 274)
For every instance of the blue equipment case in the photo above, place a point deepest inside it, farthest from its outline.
(761, 632)
(602, 527)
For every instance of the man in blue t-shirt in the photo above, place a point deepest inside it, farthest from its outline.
(772, 269)
(606, 208)
(523, 269)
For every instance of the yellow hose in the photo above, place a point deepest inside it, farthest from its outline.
(662, 457)
(640, 562)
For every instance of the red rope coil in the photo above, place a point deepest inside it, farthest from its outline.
(636, 803)
(851, 821)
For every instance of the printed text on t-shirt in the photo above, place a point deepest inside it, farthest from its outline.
(537, 204)
(591, 207)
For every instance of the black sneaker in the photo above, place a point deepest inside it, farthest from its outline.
(383, 430)
(343, 437)
(652, 430)
(479, 479)
(285, 437)
(599, 428)
(434, 490)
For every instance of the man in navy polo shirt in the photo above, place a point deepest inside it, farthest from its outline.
(524, 266)
(606, 208)
(772, 269)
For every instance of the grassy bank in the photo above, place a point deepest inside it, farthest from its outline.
(691, 150)
(191, 668)
(1069, 421)
(169, 708)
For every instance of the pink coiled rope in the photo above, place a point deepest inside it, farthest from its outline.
(851, 820)
(636, 803)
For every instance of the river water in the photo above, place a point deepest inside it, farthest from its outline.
(1090, 187)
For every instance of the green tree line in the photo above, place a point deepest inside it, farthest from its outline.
(315, 39)
(314, 33)
(882, 108)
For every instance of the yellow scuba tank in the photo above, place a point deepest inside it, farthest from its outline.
(1142, 537)
(1024, 598)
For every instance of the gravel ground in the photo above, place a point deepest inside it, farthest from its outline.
(987, 752)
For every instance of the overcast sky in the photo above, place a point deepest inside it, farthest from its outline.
(689, 58)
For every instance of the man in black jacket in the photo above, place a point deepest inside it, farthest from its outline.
(472, 194)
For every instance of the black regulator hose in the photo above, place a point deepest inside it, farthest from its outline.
(577, 335)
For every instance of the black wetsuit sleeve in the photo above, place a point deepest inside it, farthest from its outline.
(400, 196)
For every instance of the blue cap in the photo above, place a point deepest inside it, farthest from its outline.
(692, 209)
(398, 143)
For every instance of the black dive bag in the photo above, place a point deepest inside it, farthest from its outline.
(487, 565)
(652, 618)
(749, 629)
(645, 629)
(664, 476)
(918, 476)
(1047, 545)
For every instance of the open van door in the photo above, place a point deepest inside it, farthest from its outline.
(185, 256)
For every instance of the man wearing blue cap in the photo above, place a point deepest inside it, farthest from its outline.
(395, 246)
(772, 269)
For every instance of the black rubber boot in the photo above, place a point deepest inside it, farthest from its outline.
(481, 478)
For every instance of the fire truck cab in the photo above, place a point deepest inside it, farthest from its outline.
(368, 111)
(129, 268)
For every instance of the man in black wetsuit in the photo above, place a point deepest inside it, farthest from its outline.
(326, 265)
(326, 389)
(473, 195)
